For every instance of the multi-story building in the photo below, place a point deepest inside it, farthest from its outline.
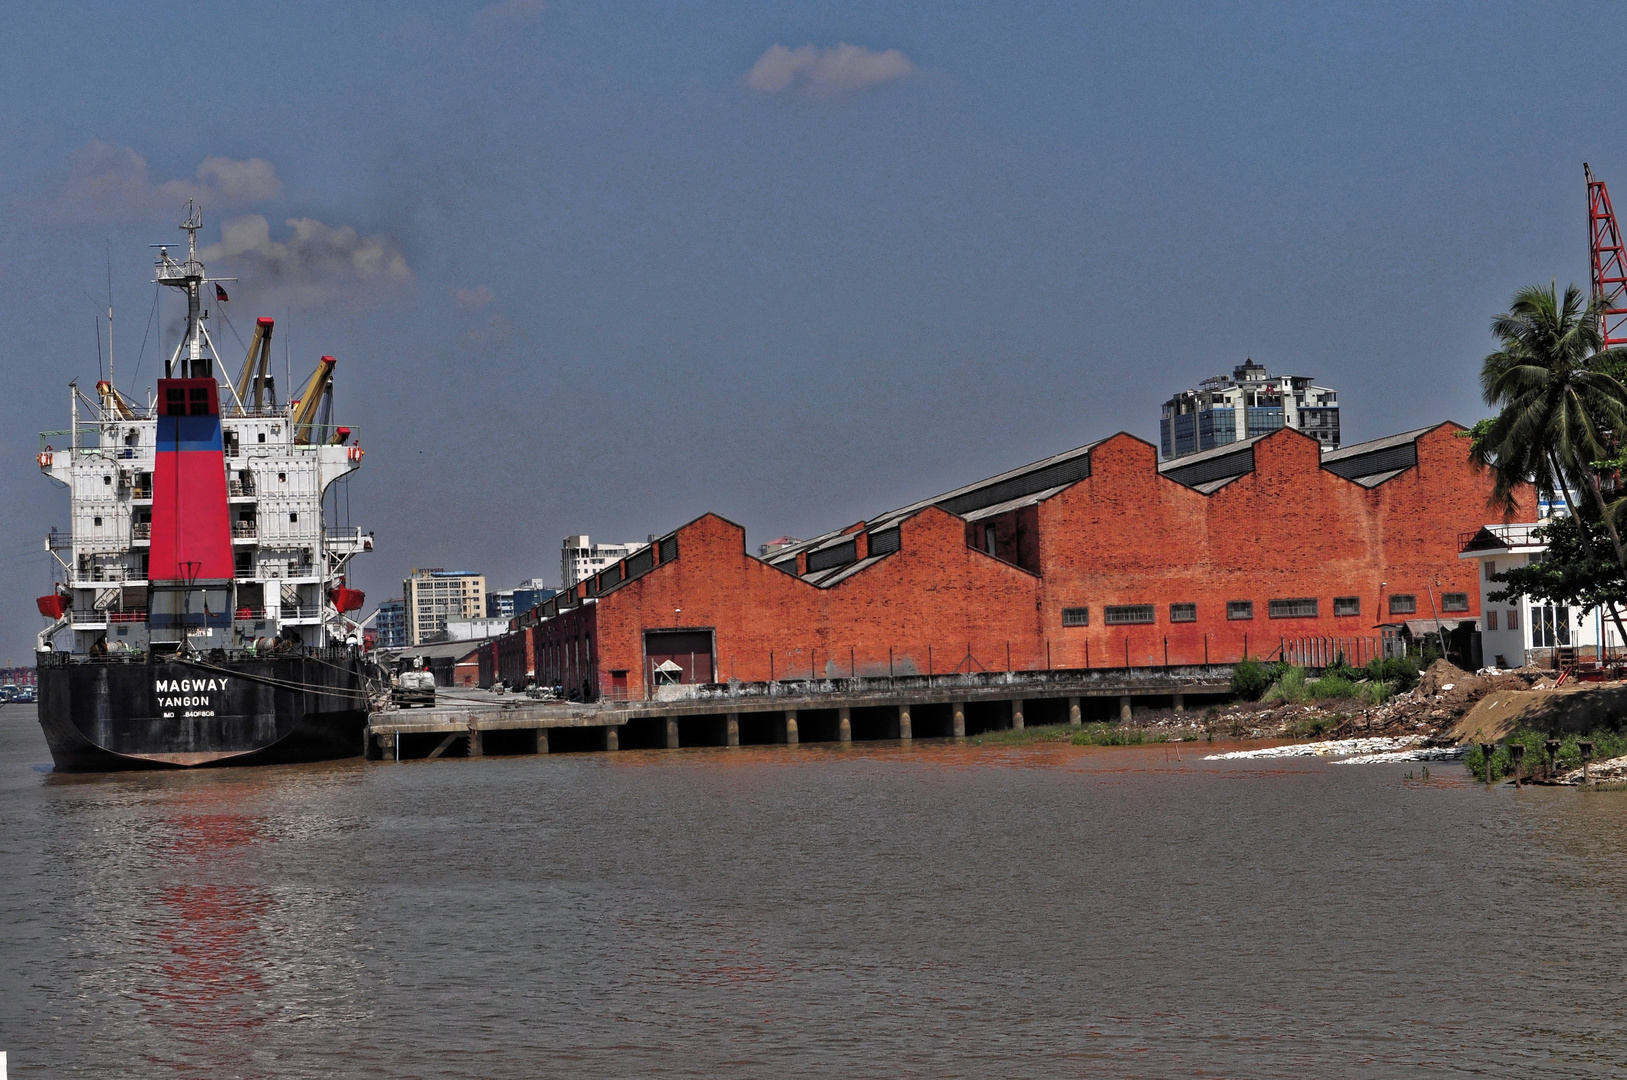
(1250, 401)
(1524, 631)
(432, 597)
(581, 558)
(500, 604)
(390, 624)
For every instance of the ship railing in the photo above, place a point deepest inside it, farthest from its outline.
(240, 487)
(244, 528)
(126, 616)
(141, 530)
(245, 614)
(57, 540)
(101, 575)
(302, 612)
(139, 492)
(347, 538)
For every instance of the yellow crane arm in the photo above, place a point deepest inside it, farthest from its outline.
(310, 399)
(253, 378)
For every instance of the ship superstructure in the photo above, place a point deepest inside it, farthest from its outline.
(198, 544)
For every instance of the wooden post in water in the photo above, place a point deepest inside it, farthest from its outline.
(1586, 747)
(1486, 751)
(1518, 752)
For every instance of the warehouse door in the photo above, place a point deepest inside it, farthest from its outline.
(688, 650)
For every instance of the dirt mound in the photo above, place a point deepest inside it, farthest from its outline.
(1566, 709)
(1439, 675)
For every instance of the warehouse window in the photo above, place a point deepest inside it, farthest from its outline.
(1075, 616)
(1455, 601)
(1403, 604)
(1347, 605)
(1491, 620)
(1240, 609)
(1298, 608)
(1491, 568)
(883, 542)
(1183, 613)
(1127, 614)
(1514, 620)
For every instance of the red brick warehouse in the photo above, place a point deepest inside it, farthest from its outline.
(1098, 557)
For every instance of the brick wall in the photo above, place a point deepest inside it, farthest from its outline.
(1124, 536)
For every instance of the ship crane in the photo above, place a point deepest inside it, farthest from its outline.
(255, 382)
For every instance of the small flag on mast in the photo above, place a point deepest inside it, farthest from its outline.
(220, 293)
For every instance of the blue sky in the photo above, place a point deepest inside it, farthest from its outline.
(596, 268)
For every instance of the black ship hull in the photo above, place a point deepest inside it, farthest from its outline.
(105, 714)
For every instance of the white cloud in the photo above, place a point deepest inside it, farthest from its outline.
(316, 263)
(823, 73)
(477, 297)
(105, 181)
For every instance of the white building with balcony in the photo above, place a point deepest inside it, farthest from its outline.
(1514, 633)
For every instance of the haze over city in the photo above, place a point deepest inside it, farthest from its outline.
(601, 270)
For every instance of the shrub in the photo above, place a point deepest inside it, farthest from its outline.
(1400, 671)
(1290, 687)
(1606, 744)
(1332, 688)
(1373, 692)
(1312, 727)
(1110, 735)
(1249, 680)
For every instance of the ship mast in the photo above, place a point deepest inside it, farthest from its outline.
(189, 277)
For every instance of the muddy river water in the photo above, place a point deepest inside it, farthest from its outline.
(934, 910)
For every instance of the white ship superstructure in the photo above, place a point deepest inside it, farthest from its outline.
(290, 564)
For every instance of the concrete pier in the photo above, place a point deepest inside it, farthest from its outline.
(477, 723)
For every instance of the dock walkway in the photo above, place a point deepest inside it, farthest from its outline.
(474, 723)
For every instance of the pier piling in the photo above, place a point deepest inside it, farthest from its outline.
(1074, 716)
(672, 733)
(844, 724)
(791, 727)
(541, 745)
(612, 737)
(1124, 709)
(958, 712)
(1017, 714)
(904, 731)
(731, 729)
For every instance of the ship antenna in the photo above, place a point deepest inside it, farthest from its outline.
(189, 277)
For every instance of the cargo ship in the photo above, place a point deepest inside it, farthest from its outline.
(200, 614)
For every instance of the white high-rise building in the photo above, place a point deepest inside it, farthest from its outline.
(1250, 401)
(580, 558)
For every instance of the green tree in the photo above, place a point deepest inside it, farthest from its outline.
(1561, 409)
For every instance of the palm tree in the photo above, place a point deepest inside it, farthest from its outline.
(1560, 407)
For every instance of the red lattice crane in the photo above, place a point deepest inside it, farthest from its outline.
(1609, 260)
